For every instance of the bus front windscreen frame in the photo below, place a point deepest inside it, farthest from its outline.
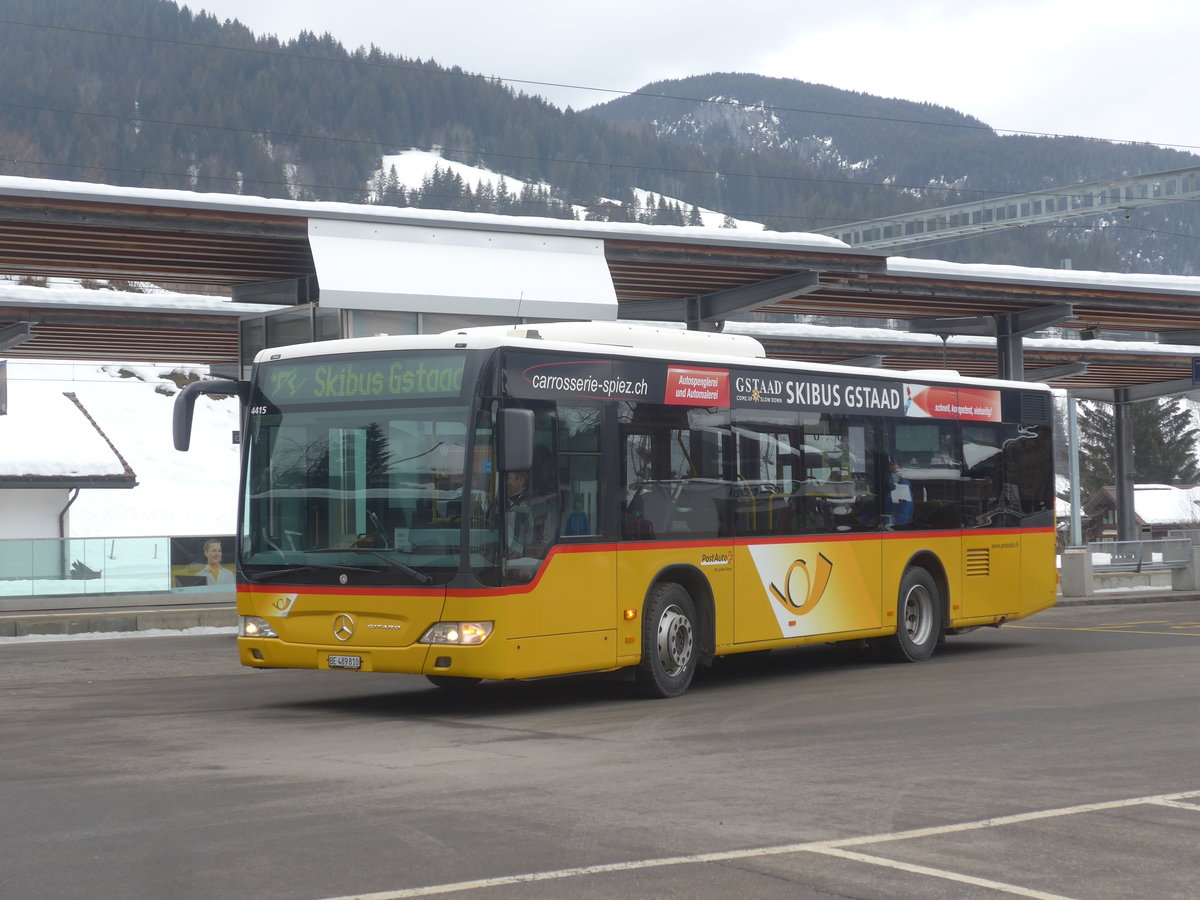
(356, 470)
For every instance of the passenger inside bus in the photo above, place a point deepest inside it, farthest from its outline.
(577, 520)
(898, 498)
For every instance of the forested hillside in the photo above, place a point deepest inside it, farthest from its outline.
(146, 93)
(907, 156)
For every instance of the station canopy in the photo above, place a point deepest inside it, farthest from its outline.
(227, 257)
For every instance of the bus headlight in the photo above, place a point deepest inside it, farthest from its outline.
(457, 633)
(253, 626)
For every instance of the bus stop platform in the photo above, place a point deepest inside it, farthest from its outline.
(221, 614)
(128, 618)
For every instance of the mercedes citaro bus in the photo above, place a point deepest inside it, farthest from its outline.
(524, 501)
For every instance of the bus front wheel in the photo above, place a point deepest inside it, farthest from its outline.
(918, 619)
(669, 642)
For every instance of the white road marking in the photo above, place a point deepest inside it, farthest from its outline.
(1001, 886)
(1015, 819)
(829, 848)
(1177, 804)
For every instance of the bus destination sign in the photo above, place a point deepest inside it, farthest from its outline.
(408, 377)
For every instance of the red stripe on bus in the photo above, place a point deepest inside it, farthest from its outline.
(631, 546)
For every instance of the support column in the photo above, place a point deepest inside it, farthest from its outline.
(1073, 468)
(1010, 357)
(1123, 473)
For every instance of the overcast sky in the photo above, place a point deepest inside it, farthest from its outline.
(1098, 68)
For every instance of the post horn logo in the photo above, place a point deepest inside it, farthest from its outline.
(816, 581)
(343, 627)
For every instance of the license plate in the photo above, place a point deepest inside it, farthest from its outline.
(345, 662)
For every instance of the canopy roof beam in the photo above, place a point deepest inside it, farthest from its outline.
(705, 311)
(12, 335)
(1008, 329)
(1047, 374)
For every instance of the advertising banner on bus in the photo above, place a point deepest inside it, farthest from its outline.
(535, 375)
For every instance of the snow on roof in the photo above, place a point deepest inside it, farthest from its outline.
(1166, 504)
(1155, 504)
(48, 435)
(68, 294)
(327, 209)
(1028, 275)
(191, 493)
(44, 187)
(878, 335)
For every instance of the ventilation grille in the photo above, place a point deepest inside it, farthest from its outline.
(979, 563)
(1035, 408)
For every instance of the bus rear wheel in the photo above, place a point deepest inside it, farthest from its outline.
(918, 619)
(669, 642)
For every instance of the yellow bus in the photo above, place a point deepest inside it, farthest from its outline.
(525, 501)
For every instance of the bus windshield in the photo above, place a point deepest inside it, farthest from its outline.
(356, 468)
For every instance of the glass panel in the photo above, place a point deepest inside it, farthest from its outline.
(436, 323)
(924, 485)
(533, 512)
(579, 429)
(370, 322)
(483, 532)
(983, 479)
(836, 491)
(583, 491)
(287, 328)
(328, 324)
(53, 567)
(253, 338)
(769, 470)
(1029, 474)
(673, 471)
(378, 491)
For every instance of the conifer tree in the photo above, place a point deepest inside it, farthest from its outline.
(1164, 435)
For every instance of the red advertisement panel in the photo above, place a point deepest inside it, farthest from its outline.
(970, 404)
(688, 386)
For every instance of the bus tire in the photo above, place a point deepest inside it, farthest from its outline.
(670, 641)
(453, 682)
(918, 619)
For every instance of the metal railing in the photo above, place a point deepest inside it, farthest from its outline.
(1140, 556)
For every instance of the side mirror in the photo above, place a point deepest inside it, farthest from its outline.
(516, 440)
(185, 403)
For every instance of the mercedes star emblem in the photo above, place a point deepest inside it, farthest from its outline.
(343, 627)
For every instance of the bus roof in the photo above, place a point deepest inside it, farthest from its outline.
(619, 339)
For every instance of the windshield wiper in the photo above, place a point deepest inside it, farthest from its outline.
(284, 570)
(419, 577)
(416, 575)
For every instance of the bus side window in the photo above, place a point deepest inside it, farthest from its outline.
(1029, 474)
(531, 501)
(926, 464)
(579, 470)
(983, 479)
(581, 495)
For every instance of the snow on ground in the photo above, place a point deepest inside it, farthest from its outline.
(412, 166)
(193, 493)
(114, 635)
